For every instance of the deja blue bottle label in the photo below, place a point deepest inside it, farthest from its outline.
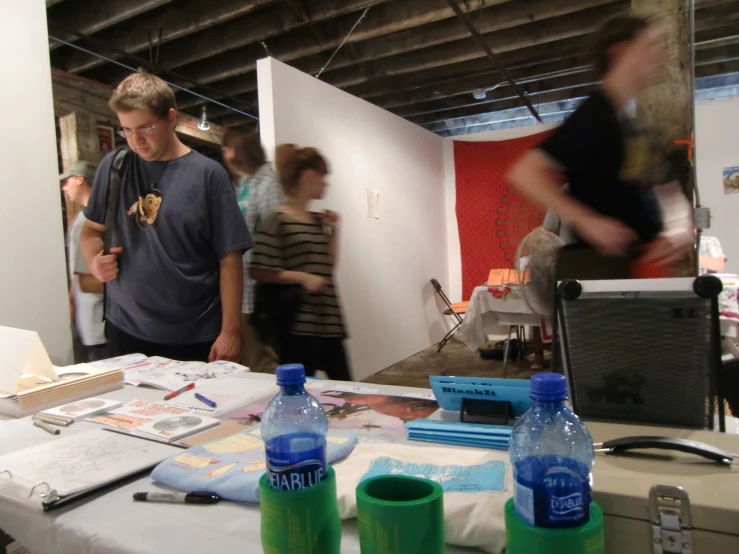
(566, 496)
(294, 471)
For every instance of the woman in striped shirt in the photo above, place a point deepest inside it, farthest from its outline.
(299, 247)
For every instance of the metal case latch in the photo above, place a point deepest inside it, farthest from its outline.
(669, 509)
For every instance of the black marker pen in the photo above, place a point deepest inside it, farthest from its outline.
(178, 497)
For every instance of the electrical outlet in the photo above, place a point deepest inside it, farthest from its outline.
(702, 218)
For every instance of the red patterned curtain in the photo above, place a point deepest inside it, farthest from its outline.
(492, 218)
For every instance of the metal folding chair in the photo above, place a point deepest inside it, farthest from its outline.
(455, 310)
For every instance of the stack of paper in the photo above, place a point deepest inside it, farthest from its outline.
(163, 422)
(30, 383)
(34, 394)
(461, 434)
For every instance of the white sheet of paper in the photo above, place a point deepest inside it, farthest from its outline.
(373, 203)
(228, 393)
(422, 395)
(359, 389)
(23, 353)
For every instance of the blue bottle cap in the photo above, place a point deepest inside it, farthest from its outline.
(548, 386)
(290, 374)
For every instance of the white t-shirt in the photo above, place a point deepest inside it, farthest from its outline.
(476, 482)
(88, 306)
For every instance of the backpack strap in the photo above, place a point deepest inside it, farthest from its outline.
(114, 189)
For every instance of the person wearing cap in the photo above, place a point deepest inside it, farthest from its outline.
(86, 292)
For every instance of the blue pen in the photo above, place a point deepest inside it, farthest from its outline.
(205, 400)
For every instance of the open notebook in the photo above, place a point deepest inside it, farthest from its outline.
(52, 474)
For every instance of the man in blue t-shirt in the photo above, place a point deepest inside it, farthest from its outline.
(174, 273)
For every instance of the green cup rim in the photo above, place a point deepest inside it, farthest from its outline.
(361, 491)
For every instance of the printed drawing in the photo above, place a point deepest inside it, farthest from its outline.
(370, 416)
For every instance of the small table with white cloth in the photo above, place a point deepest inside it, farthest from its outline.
(112, 523)
(491, 309)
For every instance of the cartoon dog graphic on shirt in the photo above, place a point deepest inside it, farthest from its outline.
(145, 210)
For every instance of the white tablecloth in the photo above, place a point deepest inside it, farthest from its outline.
(113, 524)
(490, 311)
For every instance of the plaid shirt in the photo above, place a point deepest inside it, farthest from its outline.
(263, 197)
(711, 247)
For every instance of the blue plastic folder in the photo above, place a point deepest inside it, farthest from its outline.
(460, 434)
(449, 391)
(231, 466)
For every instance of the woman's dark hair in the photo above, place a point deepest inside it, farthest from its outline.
(618, 29)
(291, 161)
(249, 154)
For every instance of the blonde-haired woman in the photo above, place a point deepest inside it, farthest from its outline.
(298, 247)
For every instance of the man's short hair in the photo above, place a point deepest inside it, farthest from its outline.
(248, 150)
(141, 91)
(618, 29)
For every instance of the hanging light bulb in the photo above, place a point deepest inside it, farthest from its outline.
(204, 125)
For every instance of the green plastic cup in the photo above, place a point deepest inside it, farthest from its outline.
(522, 538)
(300, 522)
(400, 515)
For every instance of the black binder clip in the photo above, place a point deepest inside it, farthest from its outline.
(489, 412)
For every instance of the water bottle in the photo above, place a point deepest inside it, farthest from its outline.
(552, 456)
(294, 428)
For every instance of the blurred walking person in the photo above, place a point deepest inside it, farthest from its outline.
(259, 193)
(297, 247)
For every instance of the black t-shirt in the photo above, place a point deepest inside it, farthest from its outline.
(609, 165)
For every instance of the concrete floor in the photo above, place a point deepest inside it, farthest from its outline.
(455, 359)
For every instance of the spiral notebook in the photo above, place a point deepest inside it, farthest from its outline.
(52, 474)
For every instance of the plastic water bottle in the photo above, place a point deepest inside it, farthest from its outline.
(552, 457)
(294, 428)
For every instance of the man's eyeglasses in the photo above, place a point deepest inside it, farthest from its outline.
(144, 130)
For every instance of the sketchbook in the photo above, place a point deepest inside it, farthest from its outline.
(172, 375)
(52, 474)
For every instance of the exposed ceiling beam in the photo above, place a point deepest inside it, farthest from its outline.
(523, 73)
(380, 21)
(549, 52)
(461, 117)
(455, 117)
(444, 55)
(91, 18)
(546, 92)
(372, 44)
(54, 26)
(485, 47)
(528, 79)
(551, 112)
(175, 21)
(253, 29)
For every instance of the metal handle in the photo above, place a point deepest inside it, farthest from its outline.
(624, 444)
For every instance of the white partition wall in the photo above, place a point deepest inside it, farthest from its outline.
(717, 147)
(386, 263)
(33, 285)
